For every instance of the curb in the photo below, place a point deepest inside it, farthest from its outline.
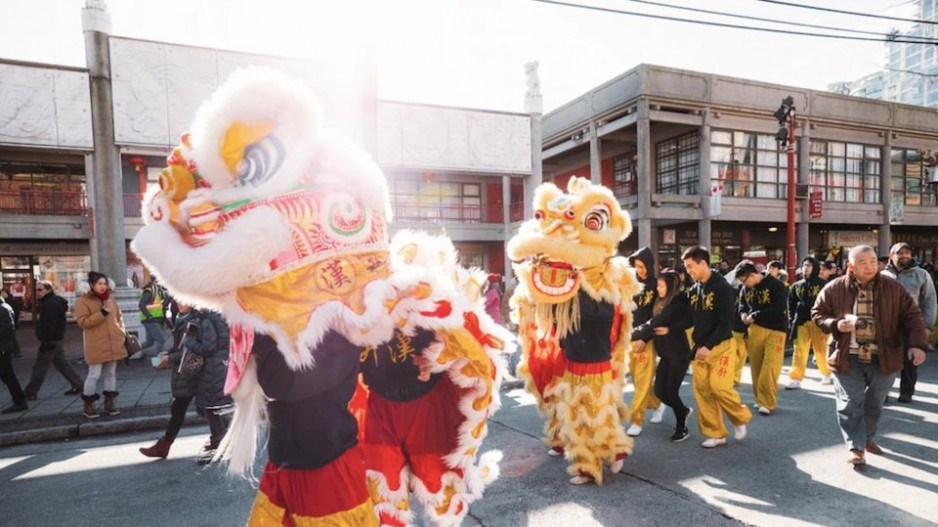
(92, 428)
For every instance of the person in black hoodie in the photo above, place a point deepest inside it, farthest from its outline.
(763, 306)
(642, 356)
(670, 319)
(50, 331)
(713, 303)
(7, 348)
(804, 333)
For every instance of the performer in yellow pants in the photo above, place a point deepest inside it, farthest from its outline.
(766, 354)
(741, 355)
(714, 392)
(809, 336)
(642, 369)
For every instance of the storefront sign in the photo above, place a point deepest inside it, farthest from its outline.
(897, 211)
(816, 205)
(669, 237)
(716, 199)
(852, 238)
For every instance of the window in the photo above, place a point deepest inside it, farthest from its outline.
(846, 172)
(415, 200)
(625, 175)
(678, 165)
(749, 165)
(909, 185)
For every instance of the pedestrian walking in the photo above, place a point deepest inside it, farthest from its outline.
(713, 307)
(205, 335)
(153, 300)
(671, 316)
(7, 348)
(918, 283)
(805, 334)
(875, 325)
(103, 335)
(493, 298)
(50, 331)
(10, 301)
(642, 356)
(763, 307)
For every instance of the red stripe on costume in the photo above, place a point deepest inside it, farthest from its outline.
(616, 323)
(589, 368)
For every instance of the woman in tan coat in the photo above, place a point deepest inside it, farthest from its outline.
(100, 318)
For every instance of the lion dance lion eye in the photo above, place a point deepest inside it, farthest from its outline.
(569, 214)
(595, 221)
(538, 215)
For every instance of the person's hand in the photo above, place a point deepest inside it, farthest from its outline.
(917, 356)
(424, 365)
(702, 353)
(110, 305)
(846, 325)
(747, 319)
(638, 346)
(662, 331)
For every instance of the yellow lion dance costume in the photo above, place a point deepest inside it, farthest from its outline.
(573, 306)
(372, 365)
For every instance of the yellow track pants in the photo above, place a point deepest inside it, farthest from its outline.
(642, 367)
(766, 355)
(809, 336)
(741, 355)
(714, 392)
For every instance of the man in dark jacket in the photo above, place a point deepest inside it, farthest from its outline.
(875, 324)
(763, 307)
(804, 333)
(713, 306)
(642, 356)
(50, 331)
(7, 348)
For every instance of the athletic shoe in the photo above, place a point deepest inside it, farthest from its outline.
(873, 448)
(764, 411)
(827, 380)
(582, 479)
(555, 452)
(714, 442)
(679, 435)
(658, 415)
(794, 385)
(73, 391)
(740, 432)
(856, 457)
(634, 430)
(617, 465)
(904, 398)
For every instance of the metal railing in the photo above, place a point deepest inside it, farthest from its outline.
(29, 202)
(133, 205)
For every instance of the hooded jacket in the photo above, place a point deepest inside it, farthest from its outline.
(919, 284)
(645, 301)
(802, 295)
(676, 316)
(712, 310)
(767, 303)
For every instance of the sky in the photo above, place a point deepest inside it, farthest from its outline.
(471, 53)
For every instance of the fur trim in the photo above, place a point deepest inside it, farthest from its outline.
(387, 500)
(249, 423)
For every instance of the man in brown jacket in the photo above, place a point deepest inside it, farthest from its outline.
(874, 324)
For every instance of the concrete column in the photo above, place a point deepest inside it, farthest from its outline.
(90, 191)
(885, 188)
(108, 245)
(802, 233)
(646, 181)
(534, 106)
(705, 225)
(506, 221)
(596, 155)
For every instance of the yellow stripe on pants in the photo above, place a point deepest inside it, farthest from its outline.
(766, 355)
(714, 392)
(809, 336)
(642, 367)
(741, 355)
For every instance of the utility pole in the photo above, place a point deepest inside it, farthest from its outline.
(786, 138)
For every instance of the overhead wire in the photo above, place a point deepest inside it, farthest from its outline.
(851, 13)
(774, 21)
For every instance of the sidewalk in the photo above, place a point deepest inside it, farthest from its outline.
(143, 401)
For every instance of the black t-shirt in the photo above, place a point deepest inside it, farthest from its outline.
(389, 369)
(592, 343)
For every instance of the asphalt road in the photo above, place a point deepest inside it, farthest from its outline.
(791, 470)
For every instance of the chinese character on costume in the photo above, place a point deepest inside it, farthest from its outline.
(371, 364)
(573, 306)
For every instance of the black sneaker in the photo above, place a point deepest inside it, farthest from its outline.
(680, 434)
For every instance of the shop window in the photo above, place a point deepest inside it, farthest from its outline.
(625, 175)
(749, 165)
(677, 167)
(846, 172)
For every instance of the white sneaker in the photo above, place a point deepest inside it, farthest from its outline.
(827, 379)
(658, 414)
(764, 411)
(634, 430)
(793, 385)
(580, 480)
(554, 452)
(713, 442)
(616, 466)
(739, 432)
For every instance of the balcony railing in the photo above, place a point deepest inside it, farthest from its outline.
(133, 205)
(43, 202)
(624, 189)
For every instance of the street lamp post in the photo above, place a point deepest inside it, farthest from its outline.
(786, 137)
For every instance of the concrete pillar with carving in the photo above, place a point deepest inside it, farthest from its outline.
(646, 183)
(885, 189)
(506, 222)
(108, 242)
(705, 225)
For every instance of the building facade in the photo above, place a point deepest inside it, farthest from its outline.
(694, 159)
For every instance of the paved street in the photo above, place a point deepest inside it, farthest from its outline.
(791, 470)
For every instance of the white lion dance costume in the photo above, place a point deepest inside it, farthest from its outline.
(573, 306)
(372, 365)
